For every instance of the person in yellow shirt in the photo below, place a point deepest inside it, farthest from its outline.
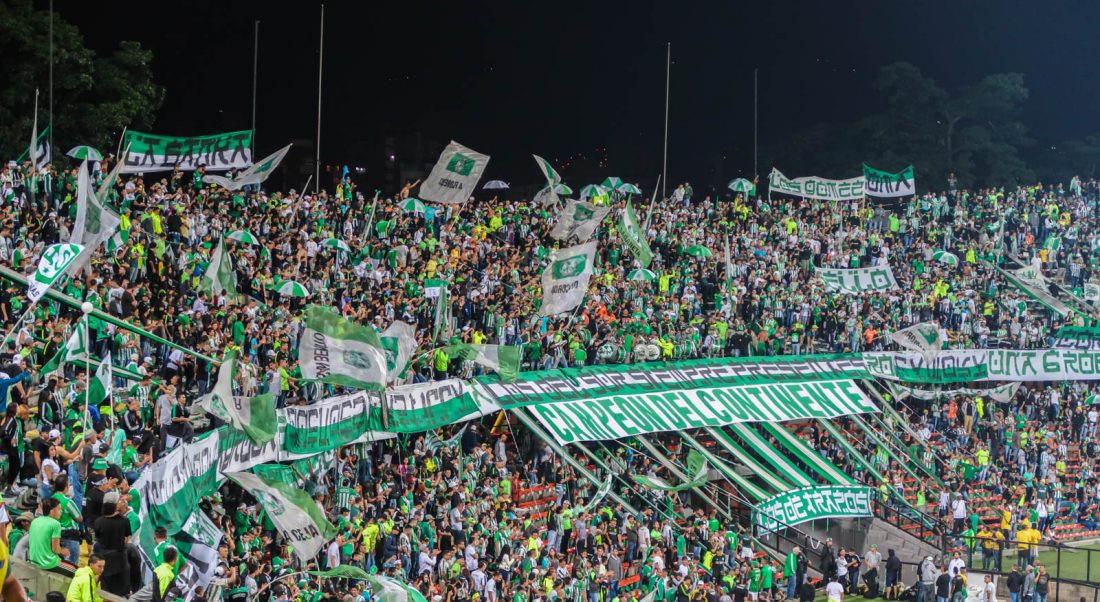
(1026, 547)
(85, 584)
(166, 572)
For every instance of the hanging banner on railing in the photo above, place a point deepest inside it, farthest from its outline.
(1001, 394)
(813, 187)
(672, 407)
(812, 503)
(217, 152)
(858, 280)
(1078, 338)
(964, 365)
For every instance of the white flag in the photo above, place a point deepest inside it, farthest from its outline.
(53, 263)
(83, 191)
(294, 513)
(552, 176)
(253, 175)
(399, 344)
(101, 387)
(578, 219)
(565, 280)
(341, 352)
(455, 175)
(924, 338)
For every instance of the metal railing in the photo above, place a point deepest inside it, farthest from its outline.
(1064, 563)
(928, 529)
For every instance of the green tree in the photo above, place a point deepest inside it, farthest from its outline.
(94, 96)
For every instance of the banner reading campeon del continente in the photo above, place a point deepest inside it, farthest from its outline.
(218, 152)
(811, 503)
(883, 184)
(858, 280)
(594, 403)
(813, 187)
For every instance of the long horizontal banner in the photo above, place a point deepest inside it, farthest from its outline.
(858, 280)
(217, 152)
(1078, 338)
(812, 503)
(1001, 394)
(675, 408)
(966, 365)
(883, 184)
(590, 382)
(813, 187)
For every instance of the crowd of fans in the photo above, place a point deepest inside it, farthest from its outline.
(461, 524)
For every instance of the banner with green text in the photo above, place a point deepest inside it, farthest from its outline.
(216, 152)
(812, 503)
(813, 187)
(883, 184)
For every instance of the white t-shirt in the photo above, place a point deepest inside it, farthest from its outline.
(835, 591)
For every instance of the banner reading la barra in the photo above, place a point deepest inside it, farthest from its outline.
(812, 503)
(883, 184)
(858, 280)
(217, 152)
(813, 187)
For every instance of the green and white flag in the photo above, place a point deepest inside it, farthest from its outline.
(552, 176)
(219, 276)
(1053, 243)
(217, 152)
(73, 351)
(634, 237)
(434, 444)
(858, 280)
(389, 589)
(502, 359)
(101, 387)
(253, 175)
(98, 224)
(455, 175)
(341, 352)
(83, 192)
(578, 219)
(1001, 394)
(442, 312)
(883, 184)
(255, 416)
(924, 338)
(1092, 292)
(198, 542)
(601, 493)
(294, 513)
(1030, 280)
(399, 344)
(40, 148)
(696, 470)
(117, 241)
(565, 280)
(55, 259)
(433, 288)
(813, 187)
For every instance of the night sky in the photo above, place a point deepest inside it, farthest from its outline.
(563, 79)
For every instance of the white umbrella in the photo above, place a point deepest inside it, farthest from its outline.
(496, 185)
(642, 275)
(244, 236)
(85, 153)
(290, 288)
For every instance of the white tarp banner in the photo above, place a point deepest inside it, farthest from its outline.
(813, 187)
(858, 280)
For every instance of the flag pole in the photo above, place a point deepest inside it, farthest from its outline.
(755, 169)
(320, 74)
(87, 308)
(50, 126)
(255, 74)
(668, 77)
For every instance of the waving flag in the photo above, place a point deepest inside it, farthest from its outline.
(341, 352)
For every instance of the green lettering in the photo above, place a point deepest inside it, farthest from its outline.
(596, 418)
(548, 416)
(640, 416)
(678, 399)
(715, 407)
(733, 405)
(671, 414)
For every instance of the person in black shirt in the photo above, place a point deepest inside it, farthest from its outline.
(943, 585)
(112, 534)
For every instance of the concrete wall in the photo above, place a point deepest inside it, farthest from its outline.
(38, 583)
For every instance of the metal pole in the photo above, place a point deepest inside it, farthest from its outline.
(755, 168)
(255, 73)
(50, 125)
(320, 73)
(664, 163)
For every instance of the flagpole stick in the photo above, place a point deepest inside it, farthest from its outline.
(87, 308)
(118, 149)
(370, 220)
(652, 200)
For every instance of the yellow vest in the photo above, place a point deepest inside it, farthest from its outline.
(165, 575)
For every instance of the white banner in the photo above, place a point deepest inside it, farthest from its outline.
(858, 280)
(455, 175)
(1006, 365)
(565, 280)
(813, 187)
(999, 394)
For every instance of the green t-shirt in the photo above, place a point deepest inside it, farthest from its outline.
(69, 509)
(40, 537)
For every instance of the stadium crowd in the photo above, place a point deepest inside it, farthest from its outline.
(500, 516)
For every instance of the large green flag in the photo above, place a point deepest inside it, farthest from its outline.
(74, 350)
(696, 470)
(55, 259)
(253, 415)
(101, 386)
(295, 514)
(502, 359)
(219, 275)
(341, 352)
(633, 236)
(399, 344)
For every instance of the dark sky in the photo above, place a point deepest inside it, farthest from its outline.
(563, 78)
